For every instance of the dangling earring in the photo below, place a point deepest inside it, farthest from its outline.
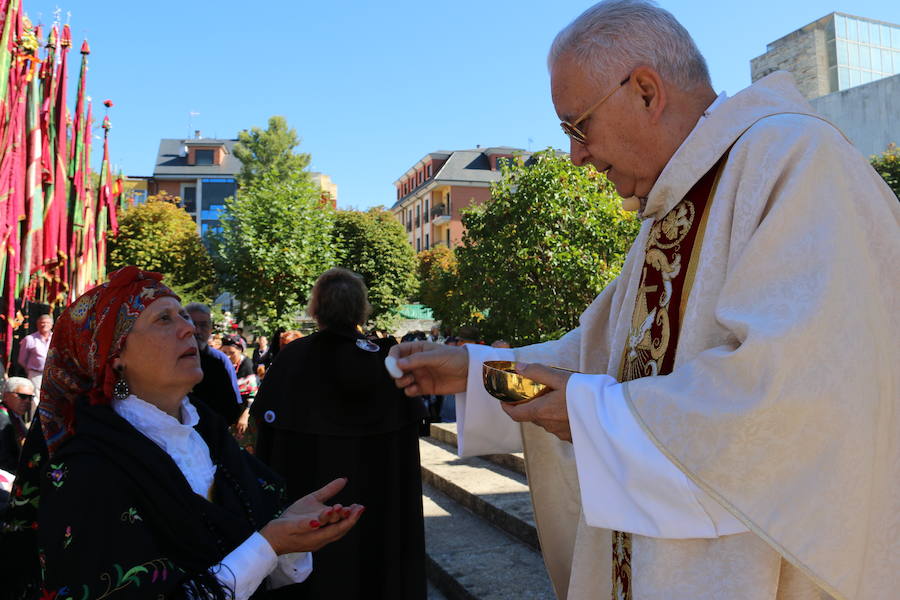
(120, 389)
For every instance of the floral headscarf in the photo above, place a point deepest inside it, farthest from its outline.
(88, 335)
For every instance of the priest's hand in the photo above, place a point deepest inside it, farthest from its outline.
(430, 368)
(548, 411)
(308, 524)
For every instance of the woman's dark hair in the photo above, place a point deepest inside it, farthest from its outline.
(339, 300)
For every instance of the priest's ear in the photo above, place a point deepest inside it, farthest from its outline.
(651, 89)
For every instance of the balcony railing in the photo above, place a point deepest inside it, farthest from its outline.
(438, 211)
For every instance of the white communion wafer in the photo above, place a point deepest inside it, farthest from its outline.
(390, 363)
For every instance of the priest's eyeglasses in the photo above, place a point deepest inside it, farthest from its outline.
(572, 130)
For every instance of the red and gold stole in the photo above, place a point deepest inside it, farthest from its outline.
(670, 262)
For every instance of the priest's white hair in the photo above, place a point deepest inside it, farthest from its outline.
(614, 36)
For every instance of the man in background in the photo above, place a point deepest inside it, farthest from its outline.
(33, 352)
(15, 417)
(219, 388)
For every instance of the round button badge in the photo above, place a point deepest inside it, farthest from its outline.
(269, 416)
(366, 345)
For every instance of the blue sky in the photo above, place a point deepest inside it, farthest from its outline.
(371, 87)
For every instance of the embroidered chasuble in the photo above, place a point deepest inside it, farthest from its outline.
(670, 262)
(756, 339)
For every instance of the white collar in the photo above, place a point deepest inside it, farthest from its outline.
(177, 438)
(153, 422)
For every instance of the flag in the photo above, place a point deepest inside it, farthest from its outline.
(60, 180)
(50, 253)
(32, 258)
(76, 205)
(106, 209)
(88, 254)
(7, 210)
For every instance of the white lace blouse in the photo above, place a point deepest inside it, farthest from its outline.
(244, 569)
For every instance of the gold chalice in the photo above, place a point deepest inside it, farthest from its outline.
(503, 383)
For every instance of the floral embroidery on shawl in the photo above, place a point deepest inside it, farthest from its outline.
(116, 580)
(131, 515)
(57, 474)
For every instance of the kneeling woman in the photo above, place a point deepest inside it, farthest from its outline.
(329, 399)
(127, 489)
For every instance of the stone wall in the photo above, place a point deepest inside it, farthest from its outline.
(802, 53)
(868, 114)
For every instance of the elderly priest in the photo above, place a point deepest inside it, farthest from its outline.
(732, 432)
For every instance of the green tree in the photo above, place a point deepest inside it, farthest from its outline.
(160, 236)
(269, 150)
(275, 240)
(888, 166)
(534, 256)
(374, 245)
(438, 273)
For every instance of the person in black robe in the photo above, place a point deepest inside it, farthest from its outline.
(103, 506)
(327, 398)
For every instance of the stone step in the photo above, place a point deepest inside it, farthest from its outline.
(446, 432)
(468, 559)
(496, 494)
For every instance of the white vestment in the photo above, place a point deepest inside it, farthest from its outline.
(782, 404)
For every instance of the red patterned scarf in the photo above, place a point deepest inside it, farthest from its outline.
(87, 337)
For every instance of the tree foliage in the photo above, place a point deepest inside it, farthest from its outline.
(160, 236)
(534, 256)
(374, 245)
(438, 271)
(888, 166)
(275, 241)
(269, 150)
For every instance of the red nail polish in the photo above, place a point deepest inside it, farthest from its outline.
(314, 524)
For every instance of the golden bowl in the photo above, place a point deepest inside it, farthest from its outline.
(503, 383)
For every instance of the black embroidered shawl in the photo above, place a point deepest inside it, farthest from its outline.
(112, 516)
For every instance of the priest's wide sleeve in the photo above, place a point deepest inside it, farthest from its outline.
(627, 483)
(482, 426)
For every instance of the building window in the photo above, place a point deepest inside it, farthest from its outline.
(215, 191)
(427, 216)
(427, 241)
(429, 170)
(418, 244)
(448, 237)
(189, 199)
(204, 157)
(449, 206)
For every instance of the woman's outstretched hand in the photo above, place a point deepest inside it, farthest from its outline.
(308, 524)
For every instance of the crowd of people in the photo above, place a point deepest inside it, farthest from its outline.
(132, 377)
